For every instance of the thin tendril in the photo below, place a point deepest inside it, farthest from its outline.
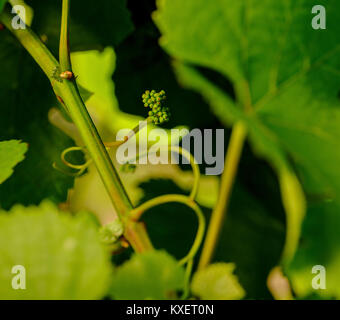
(138, 212)
(80, 167)
(69, 164)
(188, 271)
(75, 174)
(187, 200)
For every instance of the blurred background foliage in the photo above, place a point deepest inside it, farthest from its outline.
(117, 55)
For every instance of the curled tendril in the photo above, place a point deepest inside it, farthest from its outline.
(196, 171)
(186, 200)
(188, 259)
(80, 167)
(179, 198)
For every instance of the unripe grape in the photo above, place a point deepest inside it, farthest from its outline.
(154, 100)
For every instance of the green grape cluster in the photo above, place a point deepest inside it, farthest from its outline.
(155, 101)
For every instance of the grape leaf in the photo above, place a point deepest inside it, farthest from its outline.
(217, 282)
(286, 80)
(11, 153)
(62, 255)
(150, 275)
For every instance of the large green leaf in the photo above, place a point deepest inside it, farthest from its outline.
(151, 275)
(62, 255)
(11, 153)
(286, 80)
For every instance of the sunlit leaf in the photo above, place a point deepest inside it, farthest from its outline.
(62, 255)
(11, 153)
(217, 282)
(151, 275)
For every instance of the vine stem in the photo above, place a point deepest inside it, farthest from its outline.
(234, 152)
(68, 94)
(64, 46)
(133, 132)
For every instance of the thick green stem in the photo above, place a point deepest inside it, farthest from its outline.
(231, 163)
(95, 147)
(67, 92)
